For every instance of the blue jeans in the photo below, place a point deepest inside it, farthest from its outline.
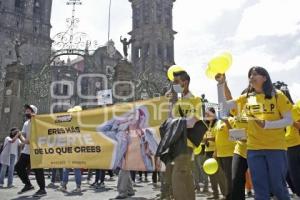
(11, 169)
(77, 173)
(268, 170)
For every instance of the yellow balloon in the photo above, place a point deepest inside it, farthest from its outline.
(172, 69)
(198, 150)
(209, 73)
(210, 166)
(219, 64)
(228, 56)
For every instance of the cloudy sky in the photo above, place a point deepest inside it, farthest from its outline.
(255, 32)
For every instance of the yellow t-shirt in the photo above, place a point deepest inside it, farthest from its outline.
(240, 146)
(211, 144)
(292, 135)
(224, 146)
(264, 109)
(190, 107)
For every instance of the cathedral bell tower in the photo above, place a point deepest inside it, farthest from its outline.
(152, 50)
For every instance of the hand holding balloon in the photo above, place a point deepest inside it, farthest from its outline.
(220, 78)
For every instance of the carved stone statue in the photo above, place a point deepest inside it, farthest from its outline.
(125, 45)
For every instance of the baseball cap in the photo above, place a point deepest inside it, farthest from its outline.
(33, 108)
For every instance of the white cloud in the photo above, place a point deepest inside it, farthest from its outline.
(269, 17)
(197, 14)
(295, 91)
(242, 61)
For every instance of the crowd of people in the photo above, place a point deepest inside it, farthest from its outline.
(264, 164)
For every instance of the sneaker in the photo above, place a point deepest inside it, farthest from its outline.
(77, 190)
(94, 184)
(100, 185)
(51, 185)
(197, 188)
(26, 188)
(131, 194)
(10, 186)
(62, 188)
(249, 194)
(40, 193)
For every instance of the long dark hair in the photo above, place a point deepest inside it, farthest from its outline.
(13, 132)
(211, 109)
(268, 88)
(284, 89)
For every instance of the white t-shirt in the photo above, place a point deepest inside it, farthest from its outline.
(26, 130)
(9, 148)
(14, 148)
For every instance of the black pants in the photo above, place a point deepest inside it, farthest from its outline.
(154, 176)
(110, 173)
(239, 168)
(132, 174)
(141, 174)
(293, 155)
(23, 165)
(290, 183)
(100, 175)
(226, 165)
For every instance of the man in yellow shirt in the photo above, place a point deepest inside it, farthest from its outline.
(188, 107)
(182, 180)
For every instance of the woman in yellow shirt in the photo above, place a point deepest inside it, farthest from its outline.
(224, 153)
(239, 159)
(270, 112)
